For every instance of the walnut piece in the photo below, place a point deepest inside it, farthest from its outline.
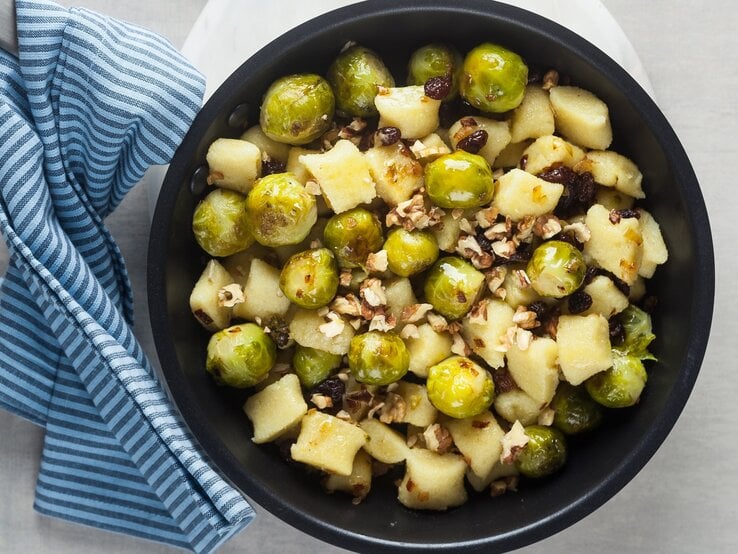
(333, 327)
(410, 331)
(321, 401)
(437, 438)
(513, 442)
(415, 312)
(230, 295)
(377, 262)
(393, 408)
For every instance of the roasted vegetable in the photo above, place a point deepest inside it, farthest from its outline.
(493, 78)
(436, 60)
(452, 286)
(220, 225)
(544, 454)
(310, 278)
(355, 76)
(240, 356)
(353, 235)
(377, 358)
(460, 388)
(459, 180)
(314, 366)
(410, 252)
(556, 269)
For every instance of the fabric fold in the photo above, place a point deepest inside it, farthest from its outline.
(86, 107)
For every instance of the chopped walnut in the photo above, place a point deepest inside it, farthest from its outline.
(321, 401)
(345, 278)
(513, 442)
(524, 228)
(456, 213)
(422, 151)
(410, 331)
(550, 79)
(546, 417)
(468, 245)
(415, 312)
(524, 318)
(437, 438)
(486, 217)
(500, 230)
(522, 277)
(377, 262)
(466, 226)
(372, 292)
(504, 248)
(495, 277)
(333, 327)
(357, 402)
(312, 187)
(546, 226)
(413, 214)
(501, 486)
(580, 230)
(347, 305)
(459, 346)
(382, 322)
(376, 407)
(393, 408)
(230, 295)
(515, 336)
(344, 415)
(437, 322)
(478, 313)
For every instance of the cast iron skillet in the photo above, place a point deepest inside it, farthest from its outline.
(599, 465)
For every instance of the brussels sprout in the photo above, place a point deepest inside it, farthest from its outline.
(574, 410)
(355, 75)
(297, 109)
(353, 235)
(544, 454)
(310, 278)
(435, 60)
(452, 286)
(313, 366)
(493, 78)
(219, 223)
(638, 333)
(556, 269)
(377, 358)
(459, 180)
(240, 356)
(621, 385)
(410, 252)
(460, 388)
(280, 211)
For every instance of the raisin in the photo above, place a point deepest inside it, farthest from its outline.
(270, 166)
(538, 308)
(474, 142)
(438, 88)
(591, 273)
(617, 332)
(571, 239)
(388, 135)
(503, 380)
(333, 388)
(483, 242)
(585, 189)
(579, 302)
(561, 175)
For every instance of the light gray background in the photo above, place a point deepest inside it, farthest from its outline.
(684, 500)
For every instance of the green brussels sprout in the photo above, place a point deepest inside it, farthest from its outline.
(556, 269)
(353, 235)
(377, 358)
(574, 410)
(314, 366)
(493, 78)
(460, 388)
(459, 180)
(219, 223)
(297, 109)
(621, 385)
(355, 75)
(452, 286)
(310, 278)
(544, 454)
(280, 211)
(435, 60)
(638, 333)
(410, 252)
(240, 356)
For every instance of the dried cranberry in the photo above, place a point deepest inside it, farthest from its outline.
(474, 142)
(579, 302)
(438, 88)
(333, 388)
(388, 135)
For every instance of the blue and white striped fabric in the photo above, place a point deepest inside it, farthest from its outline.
(87, 106)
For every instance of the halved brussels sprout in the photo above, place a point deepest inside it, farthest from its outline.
(460, 388)
(355, 75)
(556, 269)
(459, 180)
(452, 286)
(314, 366)
(621, 385)
(353, 235)
(574, 410)
(220, 225)
(279, 210)
(435, 60)
(544, 454)
(493, 78)
(310, 278)
(297, 109)
(240, 356)
(638, 333)
(377, 358)
(410, 252)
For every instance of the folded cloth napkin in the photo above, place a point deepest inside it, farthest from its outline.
(87, 106)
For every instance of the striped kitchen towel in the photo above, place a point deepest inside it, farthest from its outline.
(85, 108)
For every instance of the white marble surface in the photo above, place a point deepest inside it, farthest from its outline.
(684, 500)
